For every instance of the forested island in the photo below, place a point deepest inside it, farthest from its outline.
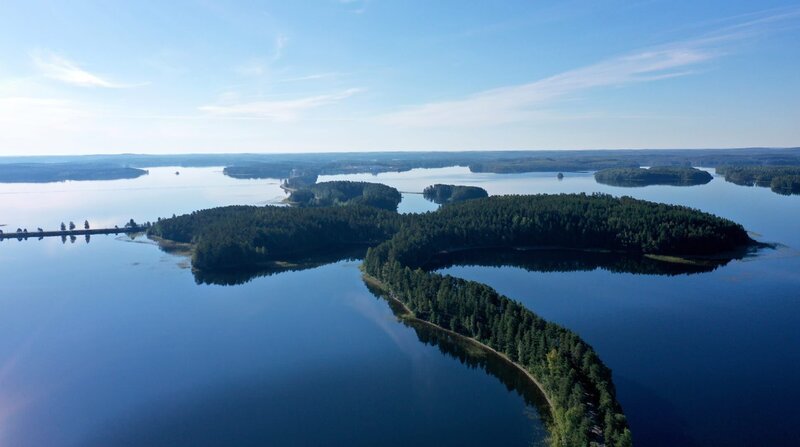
(340, 193)
(657, 175)
(578, 387)
(442, 194)
(252, 237)
(781, 179)
(61, 172)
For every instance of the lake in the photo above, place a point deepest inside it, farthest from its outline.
(113, 342)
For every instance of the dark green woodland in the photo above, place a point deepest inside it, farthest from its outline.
(579, 387)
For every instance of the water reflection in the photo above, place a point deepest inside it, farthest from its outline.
(243, 276)
(559, 260)
(474, 357)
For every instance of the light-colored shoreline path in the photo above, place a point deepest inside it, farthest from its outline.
(409, 315)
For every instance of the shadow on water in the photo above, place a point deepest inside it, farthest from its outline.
(559, 260)
(242, 276)
(475, 357)
(667, 429)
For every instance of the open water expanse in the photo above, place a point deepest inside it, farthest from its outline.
(113, 342)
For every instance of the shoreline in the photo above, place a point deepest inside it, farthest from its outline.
(409, 316)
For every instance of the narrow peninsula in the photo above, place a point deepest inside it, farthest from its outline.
(578, 386)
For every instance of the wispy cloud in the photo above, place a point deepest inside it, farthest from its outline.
(311, 77)
(358, 6)
(61, 69)
(520, 102)
(523, 102)
(278, 110)
(281, 40)
(260, 66)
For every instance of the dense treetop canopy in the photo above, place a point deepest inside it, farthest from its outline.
(658, 175)
(781, 179)
(346, 193)
(578, 385)
(442, 194)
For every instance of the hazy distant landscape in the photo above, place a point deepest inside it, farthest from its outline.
(618, 167)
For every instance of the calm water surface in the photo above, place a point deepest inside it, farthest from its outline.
(113, 342)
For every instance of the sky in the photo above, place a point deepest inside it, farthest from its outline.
(181, 76)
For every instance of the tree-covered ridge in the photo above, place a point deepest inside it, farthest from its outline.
(442, 194)
(781, 179)
(567, 221)
(249, 237)
(60, 172)
(657, 175)
(346, 193)
(579, 386)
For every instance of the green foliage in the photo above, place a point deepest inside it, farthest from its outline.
(786, 184)
(659, 175)
(347, 193)
(781, 179)
(579, 386)
(241, 237)
(300, 181)
(278, 170)
(59, 172)
(441, 194)
(585, 409)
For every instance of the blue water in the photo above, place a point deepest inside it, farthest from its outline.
(114, 343)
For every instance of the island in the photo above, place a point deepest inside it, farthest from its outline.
(299, 179)
(553, 164)
(577, 385)
(442, 194)
(341, 193)
(61, 172)
(657, 175)
(252, 238)
(783, 180)
(260, 170)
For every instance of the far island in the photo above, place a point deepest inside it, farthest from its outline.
(61, 172)
(442, 194)
(658, 175)
(340, 193)
(781, 179)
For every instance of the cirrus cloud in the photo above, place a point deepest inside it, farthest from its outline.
(62, 69)
(277, 110)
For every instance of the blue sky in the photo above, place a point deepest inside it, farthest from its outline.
(350, 75)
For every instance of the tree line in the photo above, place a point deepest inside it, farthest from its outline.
(442, 194)
(346, 193)
(585, 410)
(246, 237)
(657, 175)
(781, 179)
